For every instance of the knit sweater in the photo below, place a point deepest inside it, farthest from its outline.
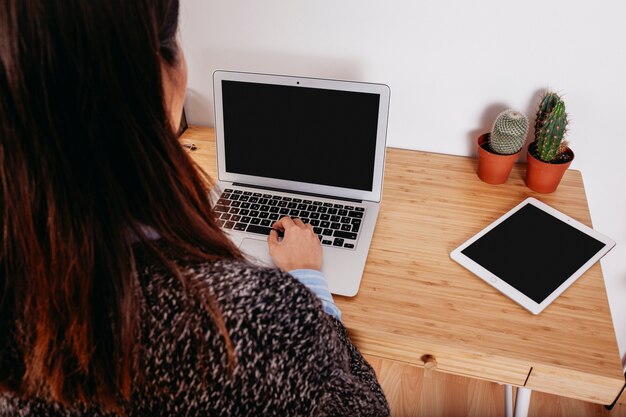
(291, 358)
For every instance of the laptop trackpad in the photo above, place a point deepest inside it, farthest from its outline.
(257, 251)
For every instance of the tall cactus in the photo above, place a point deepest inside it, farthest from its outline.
(548, 102)
(551, 132)
(509, 132)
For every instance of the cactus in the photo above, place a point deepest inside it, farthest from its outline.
(563, 148)
(509, 132)
(548, 102)
(551, 132)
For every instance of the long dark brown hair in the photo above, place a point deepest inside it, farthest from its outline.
(88, 161)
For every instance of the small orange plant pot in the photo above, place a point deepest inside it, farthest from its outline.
(493, 168)
(545, 177)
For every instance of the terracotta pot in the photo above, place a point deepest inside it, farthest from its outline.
(493, 168)
(544, 177)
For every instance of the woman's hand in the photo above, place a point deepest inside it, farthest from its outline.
(300, 247)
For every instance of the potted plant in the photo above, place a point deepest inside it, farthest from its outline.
(548, 156)
(498, 150)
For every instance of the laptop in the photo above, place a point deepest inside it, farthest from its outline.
(307, 148)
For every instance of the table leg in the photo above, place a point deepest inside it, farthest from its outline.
(522, 401)
(508, 400)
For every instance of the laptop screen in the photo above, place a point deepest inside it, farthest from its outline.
(311, 135)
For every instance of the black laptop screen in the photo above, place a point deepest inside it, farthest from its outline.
(311, 135)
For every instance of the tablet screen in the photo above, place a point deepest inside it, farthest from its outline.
(533, 251)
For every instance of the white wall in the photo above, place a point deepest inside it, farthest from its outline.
(452, 65)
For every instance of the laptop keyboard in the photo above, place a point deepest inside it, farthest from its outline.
(336, 225)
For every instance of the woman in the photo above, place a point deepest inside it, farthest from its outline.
(119, 295)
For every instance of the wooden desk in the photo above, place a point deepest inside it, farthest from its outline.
(415, 301)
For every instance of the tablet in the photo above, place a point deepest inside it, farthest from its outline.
(532, 253)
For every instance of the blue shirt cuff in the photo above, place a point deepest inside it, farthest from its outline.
(315, 281)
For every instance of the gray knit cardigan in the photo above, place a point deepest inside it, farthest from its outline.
(291, 358)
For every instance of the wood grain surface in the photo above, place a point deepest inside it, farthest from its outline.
(412, 392)
(415, 301)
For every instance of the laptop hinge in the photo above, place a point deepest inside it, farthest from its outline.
(332, 197)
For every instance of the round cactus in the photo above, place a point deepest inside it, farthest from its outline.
(509, 132)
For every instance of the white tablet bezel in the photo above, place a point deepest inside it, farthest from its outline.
(509, 290)
(379, 158)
